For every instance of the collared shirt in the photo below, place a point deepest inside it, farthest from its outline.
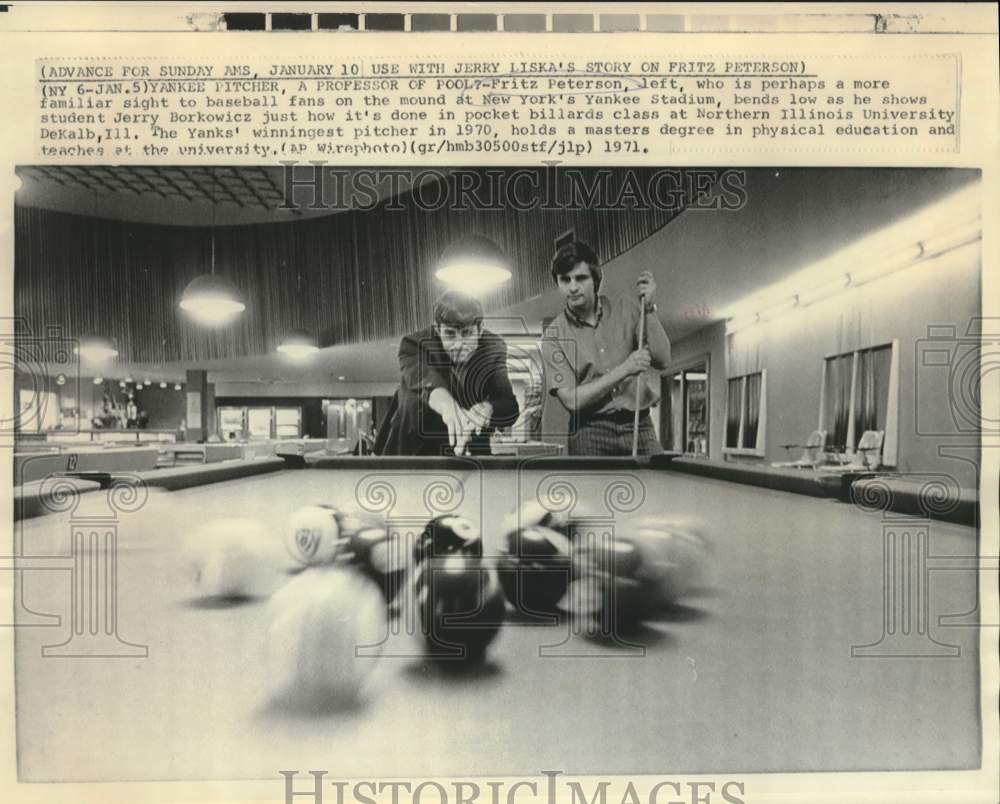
(577, 352)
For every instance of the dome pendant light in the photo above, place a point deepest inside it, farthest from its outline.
(212, 300)
(474, 265)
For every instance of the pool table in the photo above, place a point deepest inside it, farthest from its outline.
(798, 656)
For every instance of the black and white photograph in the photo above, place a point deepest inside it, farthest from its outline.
(485, 471)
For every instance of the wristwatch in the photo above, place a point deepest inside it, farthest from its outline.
(650, 308)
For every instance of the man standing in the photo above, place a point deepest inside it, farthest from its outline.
(454, 390)
(593, 358)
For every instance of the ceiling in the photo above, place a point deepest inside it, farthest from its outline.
(703, 261)
(201, 196)
(706, 262)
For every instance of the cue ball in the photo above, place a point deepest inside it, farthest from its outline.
(313, 535)
(318, 623)
(233, 559)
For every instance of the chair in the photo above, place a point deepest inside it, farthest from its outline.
(812, 452)
(867, 457)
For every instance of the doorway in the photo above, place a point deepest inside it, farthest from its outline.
(348, 421)
(684, 409)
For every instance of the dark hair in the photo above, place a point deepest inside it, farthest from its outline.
(457, 309)
(570, 256)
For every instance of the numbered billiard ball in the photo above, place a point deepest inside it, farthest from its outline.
(609, 591)
(533, 514)
(382, 556)
(534, 568)
(322, 534)
(448, 534)
(677, 557)
(312, 535)
(461, 606)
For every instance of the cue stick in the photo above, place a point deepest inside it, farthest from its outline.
(638, 379)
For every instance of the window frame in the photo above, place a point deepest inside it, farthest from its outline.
(759, 450)
(890, 439)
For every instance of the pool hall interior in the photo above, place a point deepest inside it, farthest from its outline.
(819, 419)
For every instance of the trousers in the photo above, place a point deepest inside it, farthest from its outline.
(613, 436)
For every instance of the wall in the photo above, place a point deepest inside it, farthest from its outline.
(940, 291)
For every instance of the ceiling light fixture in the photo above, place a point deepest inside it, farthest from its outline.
(821, 292)
(96, 348)
(474, 265)
(212, 300)
(298, 344)
(957, 237)
(881, 268)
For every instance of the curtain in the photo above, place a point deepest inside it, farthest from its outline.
(734, 401)
(752, 413)
(872, 395)
(349, 277)
(838, 399)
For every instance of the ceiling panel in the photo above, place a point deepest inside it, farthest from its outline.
(193, 195)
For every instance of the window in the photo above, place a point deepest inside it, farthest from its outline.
(232, 423)
(861, 392)
(288, 422)
(258, 423)
(838, 377)
(746, 407)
